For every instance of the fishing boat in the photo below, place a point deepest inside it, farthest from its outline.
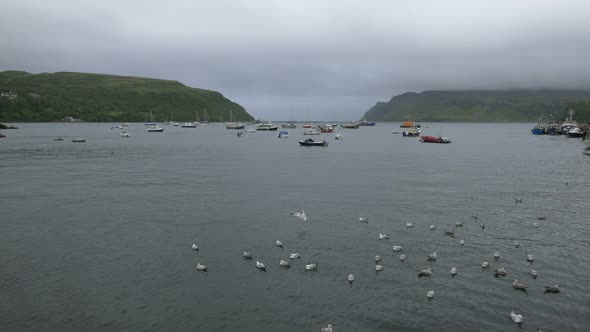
(267, 127)
(553, 129)
(79, 140)
(310, 142)
(409, 124)
(538, 129)
(364, 122)
(412, 132)
(326, 128)
(575, 132)
(283, 134)
(435, 139)
(569, 123)
(352, 125)
(311, 131)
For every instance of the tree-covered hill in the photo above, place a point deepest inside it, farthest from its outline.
(481, 106)
(98, 97)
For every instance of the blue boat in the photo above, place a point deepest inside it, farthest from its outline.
(283, 134)
(538, 130)
(364, 122)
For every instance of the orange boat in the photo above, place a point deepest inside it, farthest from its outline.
(409, 124)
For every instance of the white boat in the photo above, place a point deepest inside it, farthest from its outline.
(155, 129)
(267, 126)
(250, 130)
(311, 131)
(338, 136)
(125, 133)
(188, 125)
(232, 124)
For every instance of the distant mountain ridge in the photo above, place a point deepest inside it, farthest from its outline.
(481, 106)
(100, 97)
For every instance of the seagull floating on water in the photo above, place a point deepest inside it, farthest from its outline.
(496, 255)
(327, 328)
(201, 267)
(432, 227)
(430, 295)
(530, 258)
(402, 257)
(365, 220)
(453, 271)
(246, 255)
(552, 289)
(284, 263)
(461, 242)
(432, 257)
(541, 218)
(450, 233)
(379, 267)
(195, 247)
(350, 278)
(474, 216)
(485, 264)
(311, 267)
(519, 285)
(279, 244)
(535, 224)
(294, 255)
(301, 215)
(516, 318)
(517, 200)
(459, 223)
(397, 248)
(383, 236)
(483, 225)
(377, 259)
(533, 273)
(501, 272)
(260, 266)
(409, 224)
(425, 272)
(516, 244)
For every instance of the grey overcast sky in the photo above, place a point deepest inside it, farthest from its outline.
(306, 59)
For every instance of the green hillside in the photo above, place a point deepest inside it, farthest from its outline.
(97, 97)
(481, 106)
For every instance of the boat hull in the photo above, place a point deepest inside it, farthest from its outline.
(308, 142)
(538, 131)
(434, 139)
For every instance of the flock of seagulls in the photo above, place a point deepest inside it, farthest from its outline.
(422, 273)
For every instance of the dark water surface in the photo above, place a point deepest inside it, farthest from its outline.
(97, 236)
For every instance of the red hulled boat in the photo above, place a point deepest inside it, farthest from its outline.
(434, 139)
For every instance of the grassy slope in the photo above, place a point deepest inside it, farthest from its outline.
(479, 106)
(96, 97)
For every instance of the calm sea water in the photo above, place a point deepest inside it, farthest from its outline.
(97, 236)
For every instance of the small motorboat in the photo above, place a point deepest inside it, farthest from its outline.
(352, 125)
(434, 139)
(412, 132)
(409, 124)
(250, 130)
(240, 133)
(310, 142)
(283, 134)
(155, 129)
(267, 127)
(79, 140)
(290, 125)
(575, 132)
(307, 125)
(338, 137)
(58, 138)
(125, 134)
(188, 125)
(2, 135)
(311, 131)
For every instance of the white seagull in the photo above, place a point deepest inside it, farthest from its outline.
(327, 328)
(350, 278)
(195, 247)
(301, 215)
(432, 257)
(496, 254)
(246, 255)
(379, 267)
(284, 263)
(383, 236)
(377, 259)
(430, 295)
(201, 267)
(516, 318)
(365, 220)
(402, 257)
(453, 271)
(260, 265)
(409, 224)
(461, 242)
(279, 244)
(432, 227)
(485, 264)
(311, 267)
(459, 223)
(397, 248)
(294, 255)
(516, 244)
